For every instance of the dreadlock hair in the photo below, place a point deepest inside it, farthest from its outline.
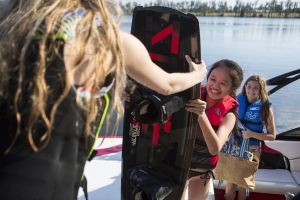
(23, 84)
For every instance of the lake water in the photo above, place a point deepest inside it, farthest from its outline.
(268, 47)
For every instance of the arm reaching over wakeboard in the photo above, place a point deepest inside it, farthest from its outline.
(140, 67)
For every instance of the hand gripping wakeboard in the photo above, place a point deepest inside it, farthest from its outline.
(158, 134)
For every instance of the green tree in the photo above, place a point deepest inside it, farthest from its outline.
(295, 7)
(288, 8)
(272, 6)
(222, 8)
(279, 8)
(247, 9)
(213, 6)
(254, 14)
(237, 7)
(204, 9)
(241, 7)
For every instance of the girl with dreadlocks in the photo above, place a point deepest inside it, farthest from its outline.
(51, 53)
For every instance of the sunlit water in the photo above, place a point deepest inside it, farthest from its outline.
(268, 47)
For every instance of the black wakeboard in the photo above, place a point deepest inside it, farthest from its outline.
(158, 134)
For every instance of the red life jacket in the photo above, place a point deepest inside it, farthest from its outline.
(216, 113)
(201, 156)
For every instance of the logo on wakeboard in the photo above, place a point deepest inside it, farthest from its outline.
(134, 132)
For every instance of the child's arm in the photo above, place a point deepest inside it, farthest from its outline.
(271, 130)
(216, 140)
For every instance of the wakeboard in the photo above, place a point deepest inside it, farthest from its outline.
(158, 134)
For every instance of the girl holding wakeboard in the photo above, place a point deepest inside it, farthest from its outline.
(216, 110)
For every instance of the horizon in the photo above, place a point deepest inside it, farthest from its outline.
(229, 2)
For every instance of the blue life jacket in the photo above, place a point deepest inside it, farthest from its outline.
(249, 115)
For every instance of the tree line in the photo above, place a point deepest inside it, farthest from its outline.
(273, 8)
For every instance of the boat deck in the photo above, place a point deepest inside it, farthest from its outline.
(104, 175)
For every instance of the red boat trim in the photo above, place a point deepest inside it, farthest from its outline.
(109, 150)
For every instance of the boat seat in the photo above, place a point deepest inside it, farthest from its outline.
(296, 176)
(276, 181)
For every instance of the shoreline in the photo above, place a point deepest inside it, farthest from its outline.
(233, 15)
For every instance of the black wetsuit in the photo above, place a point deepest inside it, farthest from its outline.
(55, 172)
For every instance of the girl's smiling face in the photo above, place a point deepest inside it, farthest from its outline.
(252, 91)
(219, 83)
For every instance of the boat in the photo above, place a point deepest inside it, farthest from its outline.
(279, 170)
(277, 176)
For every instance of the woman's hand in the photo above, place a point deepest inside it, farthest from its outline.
(246, 134)
(196, 106)
(199, 68)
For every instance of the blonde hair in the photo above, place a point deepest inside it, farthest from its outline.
(21, 24)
